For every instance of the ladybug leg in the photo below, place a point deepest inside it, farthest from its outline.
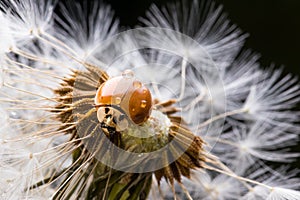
(105, 128)
(114, 136)
(110, 132)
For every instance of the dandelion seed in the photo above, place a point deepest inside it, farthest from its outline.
(271, 98)
(242, 148)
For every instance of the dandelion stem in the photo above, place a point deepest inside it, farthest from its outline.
(195, 101)
(32, 69)
(73, 174)
(185, 191)
(183, 78)
(58, 41)
(224, 141)
(66, 46)
(61, 145)
(192, 105)
(223, 115)
(31, 93)
(106, 185)
(45, 181)
(155, 89)
(60, 49)
(36, 58)
(29, 81)
(231, 174)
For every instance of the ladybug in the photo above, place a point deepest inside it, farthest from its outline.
(121, 101)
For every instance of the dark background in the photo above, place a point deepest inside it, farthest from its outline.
(273, 25)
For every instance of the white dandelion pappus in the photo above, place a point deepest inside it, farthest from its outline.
(202, 21)
(243, 147)
(237, 77)
(6, 36)
(271, 99)
(218, 187)
(282, 184)
(97, 24)
(27, 18)
(53, 144)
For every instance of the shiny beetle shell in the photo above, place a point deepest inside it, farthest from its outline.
(124, 95)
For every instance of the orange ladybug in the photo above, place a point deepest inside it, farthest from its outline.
(122, 100)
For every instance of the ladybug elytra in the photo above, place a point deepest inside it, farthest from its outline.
(122, 100)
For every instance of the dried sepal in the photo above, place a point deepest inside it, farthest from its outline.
(78, 117)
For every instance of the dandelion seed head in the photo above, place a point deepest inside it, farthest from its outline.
(271, 98)
(83, 28)
(155, 130)
(8, 41)
(27, 19)
(216, 119)
(158, 124)
(282, 185)
(197, 21)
